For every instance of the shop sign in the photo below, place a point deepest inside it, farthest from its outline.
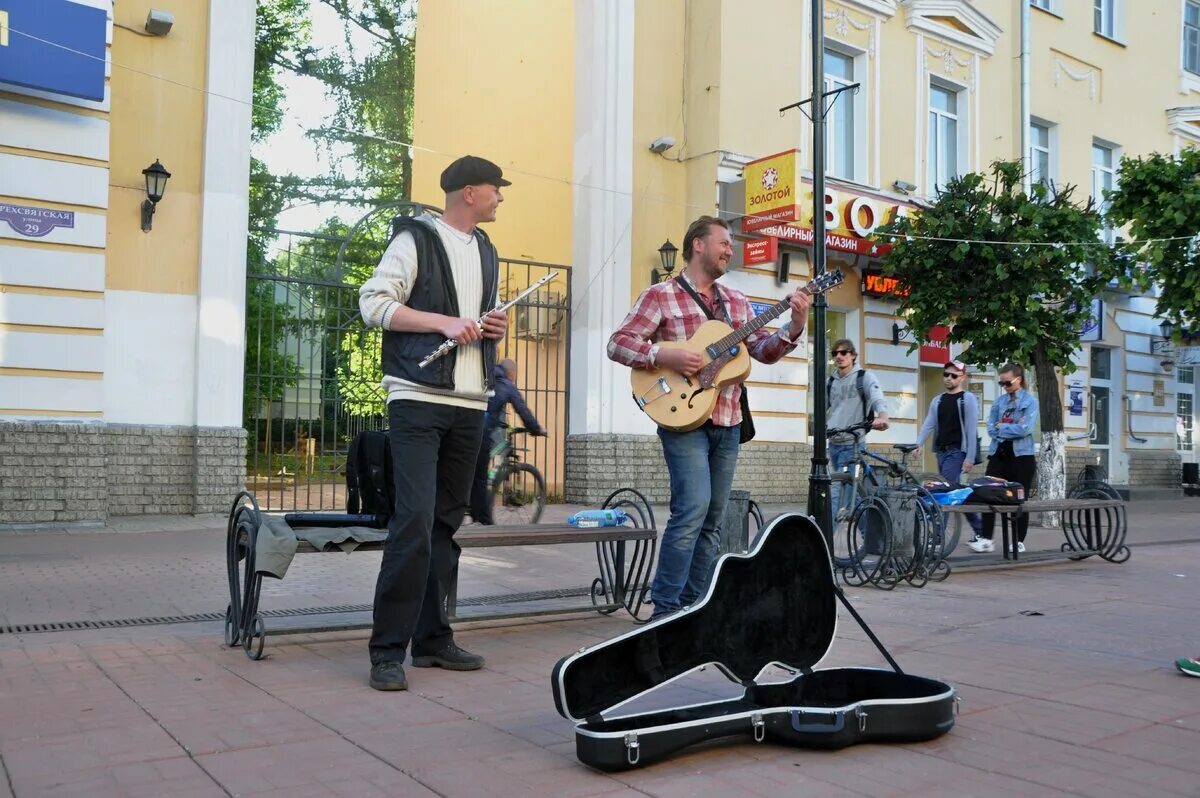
(1187, 356)
(1159, 392)
(760, 250)
(1093, 328)
(57, 46)
(1075, 397)
(937, 351)
(759, 308)
(33, 222)
(876, 283)
(780, 203)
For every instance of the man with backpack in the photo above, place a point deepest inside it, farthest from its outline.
(952, 420)
(438, 280)
(852, 395)
(506, 393)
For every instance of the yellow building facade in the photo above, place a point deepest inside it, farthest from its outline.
(575, 94)
(121, 349)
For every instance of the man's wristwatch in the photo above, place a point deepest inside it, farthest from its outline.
(654, 355)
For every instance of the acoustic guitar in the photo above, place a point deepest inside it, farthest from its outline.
(681, 403)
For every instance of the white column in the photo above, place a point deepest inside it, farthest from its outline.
(220, 322)
(603, 173)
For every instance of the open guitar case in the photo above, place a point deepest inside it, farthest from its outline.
(776, 604)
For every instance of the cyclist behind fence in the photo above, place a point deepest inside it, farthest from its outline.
(952, 420)
(1010, 456)
(506, 393)
(852, 395)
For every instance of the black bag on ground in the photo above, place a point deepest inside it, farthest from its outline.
(369, 486)
(776, 604)
(994, 490)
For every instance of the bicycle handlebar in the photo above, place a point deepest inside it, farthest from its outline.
(862, 426)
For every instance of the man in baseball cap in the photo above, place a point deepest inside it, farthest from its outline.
(471, 170)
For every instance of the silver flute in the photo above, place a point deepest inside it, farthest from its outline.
(450, 343)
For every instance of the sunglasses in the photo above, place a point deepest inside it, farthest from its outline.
(1006, 383)
(950, 375)
(841, 352)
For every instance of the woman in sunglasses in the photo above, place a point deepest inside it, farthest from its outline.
(1010, 455)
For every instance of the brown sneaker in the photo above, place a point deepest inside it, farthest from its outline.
(388, 676)
(451, 657)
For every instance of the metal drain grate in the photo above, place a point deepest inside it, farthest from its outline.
(202, 617)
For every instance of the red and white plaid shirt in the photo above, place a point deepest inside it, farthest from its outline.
(666, 312)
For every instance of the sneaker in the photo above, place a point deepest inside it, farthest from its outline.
(451, 657)
(981, 545)
(388, 676)
(1188, 666)
(1020, 547)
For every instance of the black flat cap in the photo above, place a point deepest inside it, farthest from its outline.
(470, 170)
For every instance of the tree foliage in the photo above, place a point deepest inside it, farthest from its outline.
(1158, 197)
(1011, 272)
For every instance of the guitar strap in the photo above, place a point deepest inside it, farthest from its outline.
(747, 426)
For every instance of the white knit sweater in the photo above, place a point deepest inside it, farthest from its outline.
(391, 285)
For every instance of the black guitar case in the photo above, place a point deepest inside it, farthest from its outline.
(775, 604)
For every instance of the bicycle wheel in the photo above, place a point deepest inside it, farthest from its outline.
(518, 495)
(867, 542)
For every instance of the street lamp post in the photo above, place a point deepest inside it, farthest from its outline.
(818, 481)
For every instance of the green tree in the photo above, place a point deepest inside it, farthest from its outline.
(1158, 197)
(281, 29)
(1012, 274)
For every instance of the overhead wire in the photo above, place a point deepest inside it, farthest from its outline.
(411, 146)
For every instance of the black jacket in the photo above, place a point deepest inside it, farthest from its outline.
(434, 292)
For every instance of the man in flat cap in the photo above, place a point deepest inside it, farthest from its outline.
(438, 276)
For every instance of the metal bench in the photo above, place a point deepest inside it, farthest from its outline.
(1091, 526)
(622, 583)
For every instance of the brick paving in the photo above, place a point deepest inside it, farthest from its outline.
(1081, 699)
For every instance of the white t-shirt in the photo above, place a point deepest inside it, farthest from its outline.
(391, 286)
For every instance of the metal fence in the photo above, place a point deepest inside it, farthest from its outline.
(312, 379)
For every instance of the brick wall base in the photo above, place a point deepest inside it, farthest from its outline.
(596, 465)
(82, 473)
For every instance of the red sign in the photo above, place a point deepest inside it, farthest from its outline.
(840, 243)
(937, 351)
(760, 250)
(877, 284)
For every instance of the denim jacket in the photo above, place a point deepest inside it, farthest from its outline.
(1020, 432)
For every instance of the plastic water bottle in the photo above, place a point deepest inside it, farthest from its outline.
(595, 518)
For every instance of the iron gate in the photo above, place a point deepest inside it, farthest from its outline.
(312, 378)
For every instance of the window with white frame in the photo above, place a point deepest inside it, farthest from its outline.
(1191, 36)
(1040, 168)
(1042, 4)
(840, 122)
(1104, 18)
(1104, 176)
(1185, 409)
(947, 134)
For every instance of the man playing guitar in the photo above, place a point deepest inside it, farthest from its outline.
(701, 461)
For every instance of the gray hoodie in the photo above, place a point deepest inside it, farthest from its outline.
(846, 405)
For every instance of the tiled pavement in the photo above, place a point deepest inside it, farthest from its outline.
(1080, 699)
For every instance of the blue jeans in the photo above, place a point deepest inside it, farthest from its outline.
(840, 455)
(701, 464)
(950, 463)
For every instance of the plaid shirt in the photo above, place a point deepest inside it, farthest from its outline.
(666, 312)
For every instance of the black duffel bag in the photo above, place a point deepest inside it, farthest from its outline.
(994, 490)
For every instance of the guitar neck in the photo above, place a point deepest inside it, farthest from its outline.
(757, 323)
